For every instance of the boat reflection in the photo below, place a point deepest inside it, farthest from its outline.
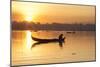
(59, 40)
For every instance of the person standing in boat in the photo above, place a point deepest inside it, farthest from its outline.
(61, 40)
(61, 37)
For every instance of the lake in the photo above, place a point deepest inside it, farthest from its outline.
(78, 46)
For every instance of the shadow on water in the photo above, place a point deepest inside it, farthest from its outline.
(60, 40)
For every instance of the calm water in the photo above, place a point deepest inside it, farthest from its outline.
(78, 46)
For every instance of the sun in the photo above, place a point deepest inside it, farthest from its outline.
(29, 18)
(26, 11)
(30, 14)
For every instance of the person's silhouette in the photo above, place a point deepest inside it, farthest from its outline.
(61, 40)
(61, 36)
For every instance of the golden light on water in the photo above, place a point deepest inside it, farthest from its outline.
(22, 54)
(28, 39)
(29, 42)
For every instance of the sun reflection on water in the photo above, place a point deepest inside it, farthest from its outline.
(28, 39)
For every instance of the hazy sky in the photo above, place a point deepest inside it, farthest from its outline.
(60, 13)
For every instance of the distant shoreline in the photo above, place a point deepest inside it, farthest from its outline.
(53, 27)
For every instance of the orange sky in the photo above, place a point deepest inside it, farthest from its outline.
(60, 13)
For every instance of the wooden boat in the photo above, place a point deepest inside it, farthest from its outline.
(60, 40)
(47, 40)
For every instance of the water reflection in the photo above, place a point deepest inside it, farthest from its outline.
(59, 40)
(28, 39)
(79, 46)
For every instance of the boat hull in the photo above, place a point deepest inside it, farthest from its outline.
(47, 40)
